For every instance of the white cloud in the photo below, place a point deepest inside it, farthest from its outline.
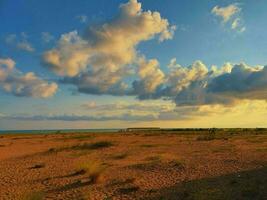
(47, 37)
(20, 42)
(150, 75)
(181, 77)
(25, 45)
(100, 59)
(18, 84)
(226, 13)
(173, 64)
(230, 14)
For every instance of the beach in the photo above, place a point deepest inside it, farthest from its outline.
(139, 165)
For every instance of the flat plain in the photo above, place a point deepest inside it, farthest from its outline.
(195, 164)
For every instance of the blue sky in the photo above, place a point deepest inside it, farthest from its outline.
(31, 28)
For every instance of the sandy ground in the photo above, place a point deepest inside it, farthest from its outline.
(132, 166)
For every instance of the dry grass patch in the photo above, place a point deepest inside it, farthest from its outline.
(177, 163)
(93, 146)
(120, 156)
(262, 149)
(38, 166)
(148, 145)
(78, 137)
(93, 170)
(153, 158)
(128, 190)
(34, 196)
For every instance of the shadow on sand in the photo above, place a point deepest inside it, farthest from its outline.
(245, 185)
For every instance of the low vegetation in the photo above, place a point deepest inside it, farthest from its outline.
(38, 166)
(78, 137)
(119, 156)
(177, 163)
(93, 170)
(34, 196)
(127, 190)
(208, 137)
(148, 145)
(93, 146)
(214, 134)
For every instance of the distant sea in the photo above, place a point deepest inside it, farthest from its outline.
(58, 131)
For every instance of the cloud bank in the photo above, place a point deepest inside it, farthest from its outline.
(156, 112)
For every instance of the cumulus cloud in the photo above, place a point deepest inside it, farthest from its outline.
(192, 85)
(99, 82)
(226, 85)
(199, 85)
(102, 61)
(151, 77)
(181, 77)
(98, 60)
(226, 13)
(15, 82)
(230, 14)
(242, 82)
(20, 42)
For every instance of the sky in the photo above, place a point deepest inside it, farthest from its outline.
(127, 63)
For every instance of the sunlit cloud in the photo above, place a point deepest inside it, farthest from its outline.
(23, 85)
(184, 116)
(98, 61)
(230, 14)
(226, 13)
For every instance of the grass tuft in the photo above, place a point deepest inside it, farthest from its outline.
(127, 190)
(148, 145)
(38, 166)
(34, 196)
(93, 170)
(93, 146)
(177, 163)
(120, 156)
(206, 137)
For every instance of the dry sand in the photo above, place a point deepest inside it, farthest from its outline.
(133, 166)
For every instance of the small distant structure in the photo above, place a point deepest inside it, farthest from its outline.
(140, 129)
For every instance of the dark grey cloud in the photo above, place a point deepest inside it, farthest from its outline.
(242, 82)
